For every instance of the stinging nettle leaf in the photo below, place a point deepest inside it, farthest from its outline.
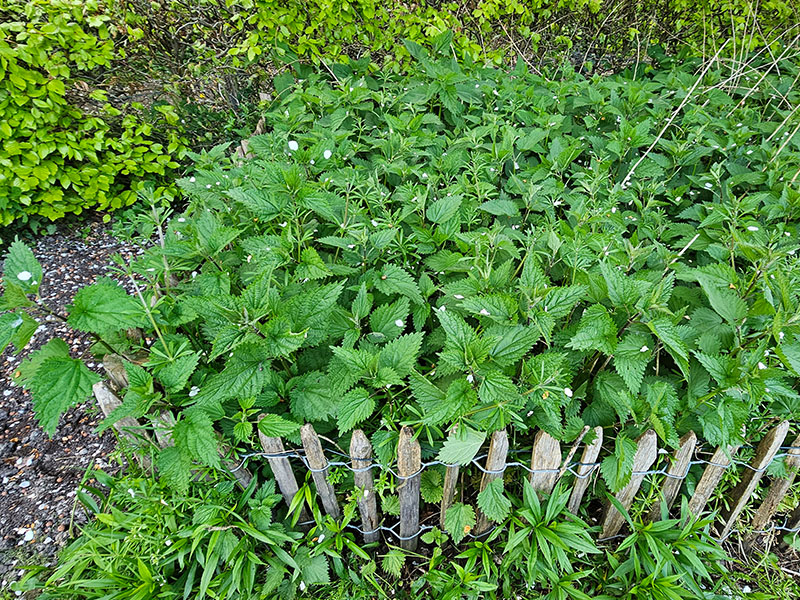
(462, 446)
(493, 502)
(104, 308)
(459, 519)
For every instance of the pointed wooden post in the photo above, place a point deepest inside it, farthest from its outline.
(711, 478)
(361, 454)
(588, 460)
(545, 462)
(318, 466)
(779, 488)
(448, 491)
(675, 475)
(765, 452)
(409, 460)
(282, 470)
(128, 428)
(495, 464)
(646, 452)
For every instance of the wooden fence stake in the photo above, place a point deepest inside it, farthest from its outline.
(765, 452)
(361, 453)
(588, 458)
(712, 475)
(546, 456)
(675, 475)
(282, 470)
(644, 458)
(127, 427)
(448, 491)
(409, 460)
(495, 461)
(318, 465)
(779, 488)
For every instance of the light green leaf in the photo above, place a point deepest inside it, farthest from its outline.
(493, 502)
(355, 406)
(276, 426)
(59, 383)
(443, 209)
(21, 268)
(459, 519)
(617, 468)
(461, 446)
(105, 308)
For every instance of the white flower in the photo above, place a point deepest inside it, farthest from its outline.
(168, 542)
(442, 308)
(568, 392)
(708, 186)
(470, 378)
(249, 257)
(302, 586)
(374, 223)
(327, 154)
(194, 391)
(400, 323)
(24, 275)
(312, 161)
(181, 220)
(293, 146)
(781, 335)
(752, 228)
(762, 366)
(366, 493)
(321, 537)
(192, 179)
(485, 312)
(132, 493)
(282, 224)
(749, 152)
(458, 297)
(424, 175)
(644, 349)
(208, 186)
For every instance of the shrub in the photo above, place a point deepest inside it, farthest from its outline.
(58, 157)
(463, 250)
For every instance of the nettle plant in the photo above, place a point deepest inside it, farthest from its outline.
(459, 250)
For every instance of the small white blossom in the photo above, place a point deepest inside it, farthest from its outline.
(568, 392)
(208, 186)
(321, 537)
(485, 312)
(374, 223)
(762, 366)
(708, 186)
(399, 323)
(312, 161)
(181, 220)
(293, 146)
(24, 275)
(644, 349)
(781, 335)
(302, 586)
(458, 296)
(194, 391)
(192, 179)
(132, 493)
(752, 228)
(327, 154)
(470, 378)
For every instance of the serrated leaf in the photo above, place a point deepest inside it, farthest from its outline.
(493, 502)
(276, 426)
(617, 468)
(459, 519)
(393, 562)
(54, 348)
(443, 209)
(311, 266)
(105, 308)
(670, 337)
(175, 468)
(59, 383)
(355, 407)
(724, 301)
(393, 279)
(401, 354)
(596, 331)
(631, 358)
(175, 375)
(431, 486)
(461, 446)
(512, 344)
(21, 268)
(383, 319)
(194, 436)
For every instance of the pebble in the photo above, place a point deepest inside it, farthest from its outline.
(25, 484)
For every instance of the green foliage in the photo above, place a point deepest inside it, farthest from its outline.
(58, 157)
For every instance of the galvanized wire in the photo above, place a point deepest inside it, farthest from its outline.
(574, 468)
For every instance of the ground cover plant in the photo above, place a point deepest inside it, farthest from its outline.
(460, 250)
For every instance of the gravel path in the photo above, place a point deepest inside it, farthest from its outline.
(39, 475)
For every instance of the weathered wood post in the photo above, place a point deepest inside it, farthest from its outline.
(588, 460)
(711, 477)
(282, 470)
(545, 462)
(495, 464)
(778, 489)
(409, 460)
(318, 465)
(361, 454)
(765, 452)
(646, 452)
(675, 475)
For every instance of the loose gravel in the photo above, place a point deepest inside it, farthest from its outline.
(40, 475)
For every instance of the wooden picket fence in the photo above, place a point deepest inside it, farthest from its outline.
(548, 464)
